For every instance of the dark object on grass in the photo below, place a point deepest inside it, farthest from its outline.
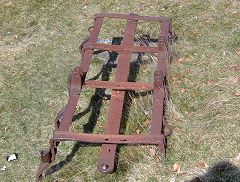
(222, 172)
(111, 137)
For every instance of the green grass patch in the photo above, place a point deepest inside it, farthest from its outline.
(39, 43)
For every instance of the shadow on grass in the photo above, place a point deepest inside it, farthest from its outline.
(222, 172)
(99, 96)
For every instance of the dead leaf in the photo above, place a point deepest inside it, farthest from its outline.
(13, 58)
(15, 37)
(193, 94)
(157, 160)
(178, 129)
(175, 117)
(192, 63)
(146, 112)
(191, 70)
(145, 124)
(210, 82)
(6, 128)
(152, 151)
(176, 167)
(171, 124)
(57, 29)
(202, 165)
(85, 7)
(145, 70)
(138, 131)
(237, 93)
(183, 90)
(180, 60)
(46, 144)
(175, 78)
(183, 58)
(238, 52)
(232, 80)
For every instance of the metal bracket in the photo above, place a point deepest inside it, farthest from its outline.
(76, 81)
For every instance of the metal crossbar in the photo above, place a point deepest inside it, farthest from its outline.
(111, 137)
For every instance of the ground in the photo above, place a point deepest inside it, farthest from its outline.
(39, 43)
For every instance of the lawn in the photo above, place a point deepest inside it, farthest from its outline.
(39, 43)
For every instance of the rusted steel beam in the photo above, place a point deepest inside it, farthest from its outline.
(163, 48)
(87, 56)
(120, 48)
(74, 92)
(108, 138)
(118, 85)
(159, 83)
(116, 103)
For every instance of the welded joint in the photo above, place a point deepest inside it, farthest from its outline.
(46, 156)
(76, 80)
(163, 46)
(158, 80)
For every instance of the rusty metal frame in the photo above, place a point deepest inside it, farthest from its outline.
(111, 137)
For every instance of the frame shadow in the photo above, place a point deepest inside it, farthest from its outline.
(99, 96)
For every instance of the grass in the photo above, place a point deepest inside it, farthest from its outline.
(39, 48)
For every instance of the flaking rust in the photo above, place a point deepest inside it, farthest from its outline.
(111, 138)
